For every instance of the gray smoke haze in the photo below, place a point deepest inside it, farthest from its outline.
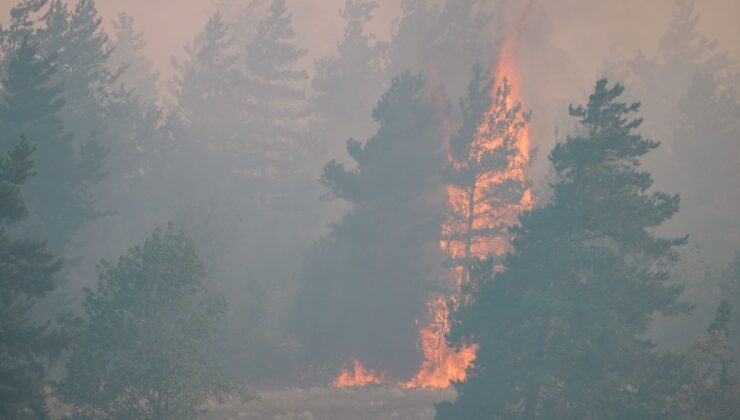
(302, 185)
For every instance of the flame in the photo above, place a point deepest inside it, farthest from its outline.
(443, 364)
(357, 376)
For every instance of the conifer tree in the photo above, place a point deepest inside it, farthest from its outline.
(347, 84)
(712, 381)
(31, 106)
(688, 93)
(83, 52)
(486, 169)
(139, 73)
(243, 18)
(444, 37)
(208, 88)
(27, 274)
(277, 106)
(561, 327)
(367, 283)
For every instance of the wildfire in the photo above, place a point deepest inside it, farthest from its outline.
(358, 376)
(444, 364)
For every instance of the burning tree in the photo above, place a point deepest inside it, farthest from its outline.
(561, 327)
(485, 174)
(486, 190)
(366, 283)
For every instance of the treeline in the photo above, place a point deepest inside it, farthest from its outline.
(96, 158)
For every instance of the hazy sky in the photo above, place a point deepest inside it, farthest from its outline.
(565, 45)
(588, 28)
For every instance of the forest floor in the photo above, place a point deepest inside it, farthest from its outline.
(323, 403)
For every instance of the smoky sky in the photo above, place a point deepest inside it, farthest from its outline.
(565, 41)
(583, 30)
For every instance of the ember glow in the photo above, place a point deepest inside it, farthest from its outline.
(357, 376)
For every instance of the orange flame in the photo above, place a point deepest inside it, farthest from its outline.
(443, 364)
(357, 376)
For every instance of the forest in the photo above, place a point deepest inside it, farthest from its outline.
(369, 209)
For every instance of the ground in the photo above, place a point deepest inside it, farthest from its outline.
(321, 403)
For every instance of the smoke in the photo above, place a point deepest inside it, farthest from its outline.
(560, 47)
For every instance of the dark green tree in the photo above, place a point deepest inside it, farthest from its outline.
(486, 169)
(365, 285)
(30, 106)
(561, 327)
(27, 274)
(140, 350)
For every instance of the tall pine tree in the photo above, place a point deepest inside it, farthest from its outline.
(209, 88)
(27, 274)
(446, 37)
(689, 95)
(277, 104)
(561, 327)
(348, 84)
(139, 74)
(30, 106)
(367, 283)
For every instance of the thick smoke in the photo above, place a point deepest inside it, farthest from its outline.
(235, 123)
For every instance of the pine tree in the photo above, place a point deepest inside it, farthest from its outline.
(444, 37)
(277, 105)
(139, 74)
(561, 327)
(367, 283)
(208, 87)
(486, 171)
(84, 51)
(712, 388)
(688, 95)
(21, 24)
(52, 35)
(139, 350)
(27, 274)
(347, 84)
(31, 106)
(731, 290)
(243, 17)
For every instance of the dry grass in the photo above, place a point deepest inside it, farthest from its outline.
(321, 403)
